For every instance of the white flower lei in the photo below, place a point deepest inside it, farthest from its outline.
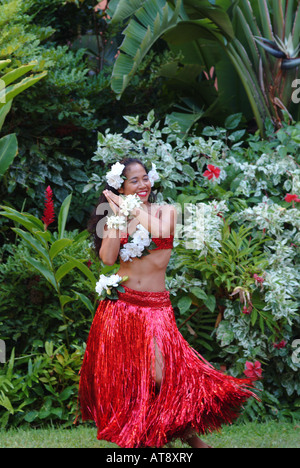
(135, 248)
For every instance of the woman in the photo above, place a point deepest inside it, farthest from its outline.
(140, 381)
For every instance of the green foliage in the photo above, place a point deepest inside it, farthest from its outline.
(8, 91)
(221, 38)
(40, 388)
(47, 247)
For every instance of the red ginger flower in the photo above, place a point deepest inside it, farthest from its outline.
(212, 172)
(280, 345)
(48, 216)
(253, 371)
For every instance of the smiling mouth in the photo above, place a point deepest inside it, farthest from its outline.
(142, 194)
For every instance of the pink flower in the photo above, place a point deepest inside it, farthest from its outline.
(48, 216)
(253, 371)
(258, 280)
(212, 172)
(280, 345)
(246, 311)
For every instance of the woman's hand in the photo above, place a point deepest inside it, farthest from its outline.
(113, 200)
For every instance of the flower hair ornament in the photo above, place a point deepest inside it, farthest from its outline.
(115, 179)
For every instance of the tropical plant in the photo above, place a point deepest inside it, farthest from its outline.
(8, 90)
(41, 387)
(201, 30)
(47, 246)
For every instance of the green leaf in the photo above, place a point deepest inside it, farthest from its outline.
(8, 151)
(13, 75)
(63, 215)
(86, 301)
(210, 303)
(233, 121)
(3, 113)
(58, 246)
(149, 23)
(184, 304)
(12, 91)
(65, 299)
(70, 265)
(44, 271)
(27, 220)
(253, 317)
(198, 292)
(63, 270)
(34, 243)
(66, 393)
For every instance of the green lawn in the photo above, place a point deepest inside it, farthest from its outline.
(251, 435)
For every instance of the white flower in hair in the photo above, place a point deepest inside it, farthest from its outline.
(113, 177)
(153, 175)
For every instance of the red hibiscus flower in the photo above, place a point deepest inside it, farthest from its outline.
(289, 198)
(253, 371)
(211, 172)
(48, 216)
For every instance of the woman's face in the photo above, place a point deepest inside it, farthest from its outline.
(137, 181)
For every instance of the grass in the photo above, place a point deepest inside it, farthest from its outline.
(250, 435)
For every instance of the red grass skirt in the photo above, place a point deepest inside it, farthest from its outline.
(117, 379)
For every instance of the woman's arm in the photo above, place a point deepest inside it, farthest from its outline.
(158, 227)
(110, 246)
(162, 227)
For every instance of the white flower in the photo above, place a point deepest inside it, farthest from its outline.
(129, 203)
(131, 250)
(106, 282)
(141, 236)
(153, 175)
(113, 177)
(116, 222)
(135, 248)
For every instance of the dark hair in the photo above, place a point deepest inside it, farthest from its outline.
(95, 218)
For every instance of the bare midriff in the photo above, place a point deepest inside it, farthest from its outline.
(146, 273)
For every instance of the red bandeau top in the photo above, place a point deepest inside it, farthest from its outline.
(162, 243)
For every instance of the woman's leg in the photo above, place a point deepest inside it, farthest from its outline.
(191, 438)
(194, 441)
(159, 365)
